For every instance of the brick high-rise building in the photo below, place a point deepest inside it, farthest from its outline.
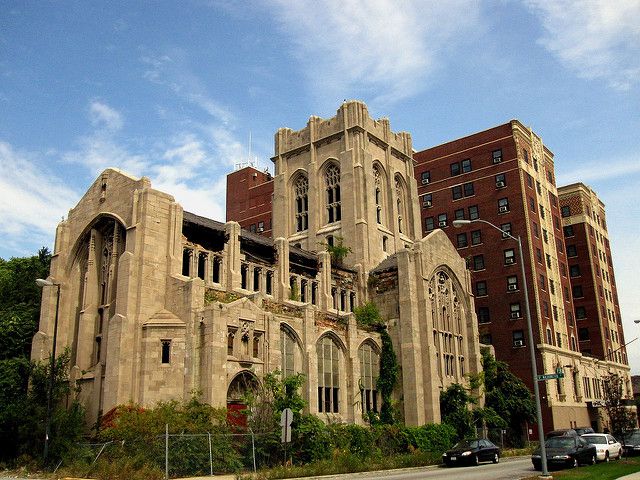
(249, 197)
(505, 175)
(593, 283)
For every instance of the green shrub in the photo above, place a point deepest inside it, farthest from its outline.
(311, 440)
(355, 439)
(431, 437)
(391, 439)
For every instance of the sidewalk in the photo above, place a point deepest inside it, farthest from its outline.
(631, 476)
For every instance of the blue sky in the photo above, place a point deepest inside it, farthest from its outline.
(174, 91)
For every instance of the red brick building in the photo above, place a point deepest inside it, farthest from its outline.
(593, 281)
(249, 197)
(505, 176)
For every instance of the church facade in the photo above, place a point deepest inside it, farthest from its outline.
(156, 302)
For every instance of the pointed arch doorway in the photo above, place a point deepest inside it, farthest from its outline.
(243, 384)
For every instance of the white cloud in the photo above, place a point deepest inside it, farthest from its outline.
(596, 39)
(32, 203)
(380, 45)
(599, 171)
(102, 115)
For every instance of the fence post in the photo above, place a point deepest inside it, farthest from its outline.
(166, 451)
(210, 455)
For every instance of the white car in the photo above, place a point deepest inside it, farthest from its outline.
(607, 447)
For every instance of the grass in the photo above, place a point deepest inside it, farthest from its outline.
(346, 463)
(601, 471)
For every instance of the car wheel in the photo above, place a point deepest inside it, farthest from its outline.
(476, 460)
(575, 463)
(620, 455)
(496, 458)
(606, 456)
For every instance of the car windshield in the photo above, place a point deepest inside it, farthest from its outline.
(634, 438)
(466, 444)
(560, 442)
(595, 439)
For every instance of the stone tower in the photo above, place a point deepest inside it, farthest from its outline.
(348, 176)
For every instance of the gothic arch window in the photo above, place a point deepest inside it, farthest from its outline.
(328, 375)
(378, 182)
(332, 178)
(301, 190)
(289, 350)
(369, 371)
(242, 384)
(96, 263)
(400, 205)
(448, 325)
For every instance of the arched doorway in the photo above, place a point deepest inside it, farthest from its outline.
(243, 384)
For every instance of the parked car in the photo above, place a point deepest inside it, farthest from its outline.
(632, 443)
(607, 447)
(565, 451)
(471, 452)
(563, 432)
(583, 430)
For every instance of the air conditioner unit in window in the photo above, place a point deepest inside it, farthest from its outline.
(505, 234)
(426, 203)
(425, 181)
(260, 229)
(515, 315)
(442, 224)
(518, 343)
(512, 287)
(503, 209)
(499, 184)
(497, 159)
(509, 260)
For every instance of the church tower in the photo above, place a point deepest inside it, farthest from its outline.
(346, 177)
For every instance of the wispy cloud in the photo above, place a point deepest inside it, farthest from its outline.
(596, 39)
(102, 114)
(32, 203)
(596, 171)
(382, 46)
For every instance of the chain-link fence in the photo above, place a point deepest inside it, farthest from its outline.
(184, 455)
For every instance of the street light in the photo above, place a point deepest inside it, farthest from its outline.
(47, 429)
(534, 369)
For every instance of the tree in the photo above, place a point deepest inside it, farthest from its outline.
(19, 314)
(507, 394)
(621, 419)
(338, 251)
(454, 409)
(388, 376)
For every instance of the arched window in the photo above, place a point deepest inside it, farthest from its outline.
(332, 177)
(377, 178)
(328, 375)
(288, 349)
(302, 203)
(369, 370)
(400, 202)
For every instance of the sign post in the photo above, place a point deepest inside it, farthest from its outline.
(286, 417)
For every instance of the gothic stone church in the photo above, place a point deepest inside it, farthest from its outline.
(156, 302)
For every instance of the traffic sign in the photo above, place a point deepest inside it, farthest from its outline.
(286, 417)
(550, 376)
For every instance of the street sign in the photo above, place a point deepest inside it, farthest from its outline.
(286, 417)
(550, 376)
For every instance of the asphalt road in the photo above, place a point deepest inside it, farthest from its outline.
(507, 469)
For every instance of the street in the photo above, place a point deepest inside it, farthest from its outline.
(507, 469)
